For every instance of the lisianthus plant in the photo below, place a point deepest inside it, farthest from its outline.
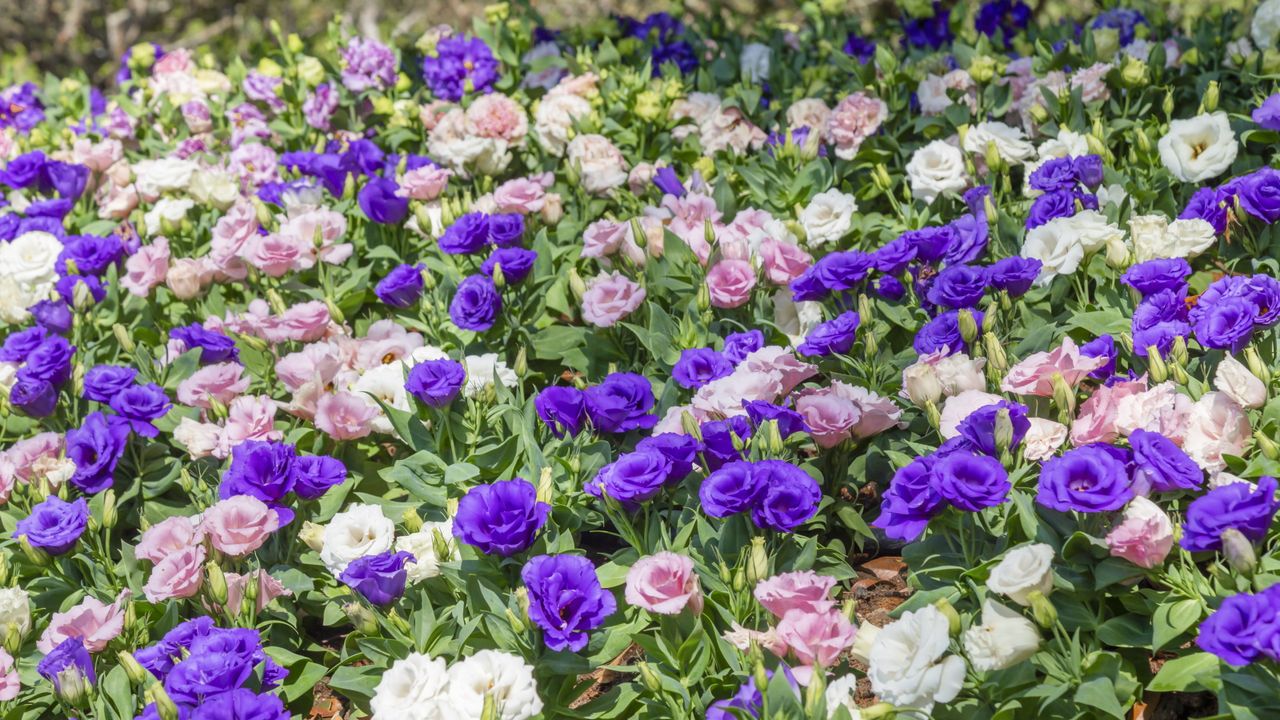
(523, 372)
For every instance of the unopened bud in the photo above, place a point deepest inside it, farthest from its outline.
(932, 414)
(521, 366)
(997, 360)
(123, 338)
(1156, 367)
(165, 706)
(109, 513)
(546, 485)
(739, 580)
(1268, 446)
(216, 584)
(995, 163)
(1039, 113)
(949, 612)
(968, 327)
(1167, 105)
(72, 687)
(650, 678)
(412, 521)
(276, 302)
(1211, 95)
(1003, 431)
(1254, 362)
(1239, 551)
(1178, 353)
(138, 675)
(362, 618)
(757, 561)
(1045, 614)
(1064, 397)
(312, 535)
(877, 711)
(34, 555)
(576, 285)
(815, 694)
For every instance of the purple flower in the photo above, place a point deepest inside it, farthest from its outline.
(54, 525)
(1123, 20)
(789, 421)
(680, 450)
(261, 469)
(1161, 465)
(140, 404)
(717, 440)
(379, 578)
(979, 427)
(933, 31)
(890, 288)
(23, 170)
(95, 448)
(1226, 324)
(958, 286)
(931, 243)
(1235, 506)
(501, 518)
(1101, 346)
(737, 346)
(436, 382)
(1050, 206)
(1086, 479)
(1267, 115)
(911, 500)
(214, 346)
(1006, 15)
(66, 179)
(970, 481)
(969, 239)
(1015, 275)
(17, 346)
(320, 106)
(514, 262)
(313, 475)
(49, 361)
(562, 409)
(67, 661)
(565, 599)
(833, 272)
(506, 229)
(1259, 194)
(624, 401)
(380, 203)
(730, 489)
(68, 284)
(835, 336)
(33, 397)
(1243, 628)
(367, 64)
(240, 704)
(667, 181)
(1158, 319)
(460, 65)
(468, 234)
(633, 478)
(789, 496)
(1055, 174)
(475, 303)
(53, 315)
(894, 256)
(1210, 205)
(1088, 170)
(859, 47)
(402, 287)
(699, 366)
(943, 332)
(1153, 276)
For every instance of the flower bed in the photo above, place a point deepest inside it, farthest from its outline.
(621, 370)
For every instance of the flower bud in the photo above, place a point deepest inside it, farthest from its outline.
(932, 414)
(361, 617)
(1156, 367)
(997, 360)
(1211, 95)
(1003, 431)
(165, 706)
(757, 561)
(1045, 614)
(312, 535)
(72, 687)
(968, 327)
(1063, 396)
(949, 612)
(138, 675)
(1239, 551)
(123, 337)
(576, 285)
(1178, 353)
(739, 580)
(1167, 105)
(1179, 375)
(34, 555)
(13, 639)
(1133, 72)
(546, 485)
(412, 521)
(877, 711)
(761, 677)
(983, 68)
(109, 513)
(815, 694)
(650, 678)
(1269, 449)
(1039, 113)
(1254, 361)
(217, 583)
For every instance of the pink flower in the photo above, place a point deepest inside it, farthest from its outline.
(603, 238)
(239, 524)
(344, 416)
(306, 322)
(249, 417)
(424, 183)
(730, 282)
(169, 537)
(521, 195)
(1034, 375)
(783, 261)
(187, 278)
(722, 397)
(496, 116)
(276, 254)
(93, 621)
(609, 298)
(317, 362)
(815, 638)
(1217, 426)
(146, 268)
(830, 416)
(24, 454)
(178, 575)
(877, 413)
(269, 589)
(664, 583)
(254, 164)
(803, 590)
(958, 407)
(318, 231)
(199, 438)
(1096, 420)
(10, 682)
(1161, 409)
(854, 119)
(1144, 536)
(221, 382)
(772, 358)
(1043, 439)
(742, 638)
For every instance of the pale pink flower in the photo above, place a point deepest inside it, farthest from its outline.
(1034, 374)
(1096, 419)
(783, 261)
(10, 682)
(167, 537)
(723, 397)
(829, 416)
(1043, 439)
(520, 195)
(742, 638)
(424, 183)
(317, 232)
(344, 416)
(93, 621)
(147, 267)
(1144, 536)
(1161, 409)
(815, 638)
(876, 413)
(856, 118)
(201, 439)
(498, 117)
(664, 583)
(238, 525)
(803, 590)
(221, 382)
(249, 417)
(177, 575)
(268, 589)
(772, 358)
(609, 298)
(960, 406)
(1217, 426)
(730, 282)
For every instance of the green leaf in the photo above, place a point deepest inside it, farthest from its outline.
(1172, 620)
(1100, 693)
(1195, 672)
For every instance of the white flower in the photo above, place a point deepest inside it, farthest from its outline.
(1011, 143)
(906, 667)
(554, 118)
(8, 376)
(358, 531)
(1266, 24)
(167, 209)
(795, 319)
(1236, 52)
(218, 189)
(828, 217)
(842, 693)
(1217, 426)
(932, 91)
(1188, 237)
(600, 164)
(936, 169)
(386, 383)
(1024, 569)
(162, 175)
(1067, 144)
(483, 370)
(1004, 639)
(754, 61)
(1235, 381)
(1198, 148)
(1094, 231)
(15, 609)
(1113, 194)
(960, 372)
(415, 688)
(15, 298)
(422, 545)
(29, 259)
(1043, 439)
(505, 677)
(1062, 243)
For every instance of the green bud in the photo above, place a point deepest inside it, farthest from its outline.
(165, 706)
(757, 561)
(815, 694)
(109, 512)
(932, 414)
(877, 711)
(949, 612)
(1178, 374)
(517, 624)
(1211, 95)
(1039, 113)
(983, 68)
(1167, 105)
(1045, 614)
(216, 585)
(138, 675)
(1064, 398)
(1266, 445)
(123, 337)
(997, 360)
(739, 580)
(362, 618)
(13, 639)
(34, 555)
(968, 326)
(1003, 431)
(1239, 551)
(995, 163)
(521, 366)
(576, 285)
(650, 678)
(1133, 73)
(1254, 362)
(1156, 367)
(726, 575)
(637, 233)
